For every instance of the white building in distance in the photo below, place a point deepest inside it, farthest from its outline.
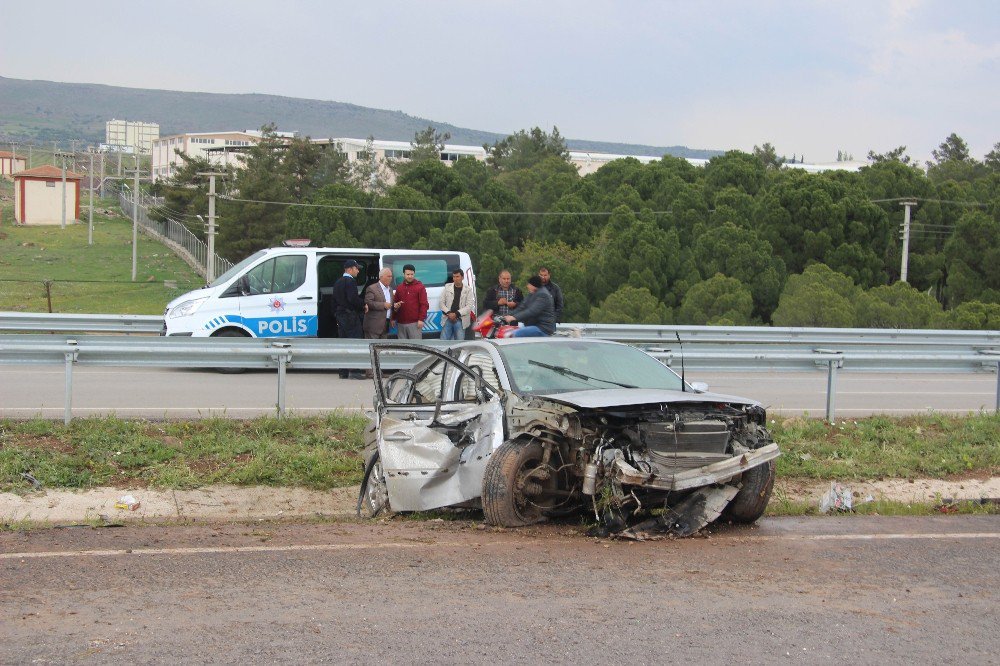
(130, 134)
(220, 148)
(226, 148)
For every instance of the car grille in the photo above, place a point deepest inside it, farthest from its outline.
(697, 443)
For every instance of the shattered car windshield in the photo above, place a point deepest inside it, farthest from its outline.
(574, 365)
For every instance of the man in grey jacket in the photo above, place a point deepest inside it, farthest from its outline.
(537, 312)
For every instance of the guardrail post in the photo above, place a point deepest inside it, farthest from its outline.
(996, 405)
(831, 381)
(283, 356)
(71, 356)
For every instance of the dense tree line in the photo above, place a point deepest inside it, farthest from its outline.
(743, 240)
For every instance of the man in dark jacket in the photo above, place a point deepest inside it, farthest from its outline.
(502, 297)
(536, 312)
(553, 288)
(348, 308)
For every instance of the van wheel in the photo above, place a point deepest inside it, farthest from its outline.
(230, 333)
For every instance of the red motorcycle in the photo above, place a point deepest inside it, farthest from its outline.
(490, 326)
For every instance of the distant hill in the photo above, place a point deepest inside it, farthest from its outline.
(47, 111)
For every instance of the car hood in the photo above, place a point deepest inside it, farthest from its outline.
(191, 295)
(596, 398)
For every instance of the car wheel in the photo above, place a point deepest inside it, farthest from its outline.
(374, 497)
(751, 501)
(517, 485)
(230, 333)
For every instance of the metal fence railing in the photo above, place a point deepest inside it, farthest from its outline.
(180, 239)
(185, 352)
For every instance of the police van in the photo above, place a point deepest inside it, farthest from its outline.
(286, 292)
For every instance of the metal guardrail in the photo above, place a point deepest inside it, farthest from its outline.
(178, 352)
(648, 336)
(44, 322)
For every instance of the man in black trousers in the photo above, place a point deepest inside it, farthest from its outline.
(349, 308)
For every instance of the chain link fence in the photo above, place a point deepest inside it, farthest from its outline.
(173, 234)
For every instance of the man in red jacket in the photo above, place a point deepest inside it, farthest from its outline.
(410, 305)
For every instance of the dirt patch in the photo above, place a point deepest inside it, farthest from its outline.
(47, 443)
(224, 502)
(895, 490)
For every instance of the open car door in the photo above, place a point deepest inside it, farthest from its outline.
(437, 423)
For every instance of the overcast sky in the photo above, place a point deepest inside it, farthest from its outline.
(812, 78)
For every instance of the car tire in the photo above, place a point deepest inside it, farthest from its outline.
(230, 333)
(507, 502)
(751, 501)
(374, 496)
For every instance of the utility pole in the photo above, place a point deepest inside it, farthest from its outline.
(90, 221)
(102, 175)
(63, 156)
(29, 155)
(906, 238)
(210, 260)
(135, 222)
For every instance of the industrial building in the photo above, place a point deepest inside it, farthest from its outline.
(220, 148)
(224, 149)
(129, 135)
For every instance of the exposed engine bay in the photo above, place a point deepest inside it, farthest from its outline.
(630, 461)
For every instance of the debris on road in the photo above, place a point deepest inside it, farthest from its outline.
(838, 498)
(31, 479)
(127, 503)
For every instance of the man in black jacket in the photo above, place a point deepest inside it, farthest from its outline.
(349, 308)
(553, 288)
(536, 313)
(502, 297)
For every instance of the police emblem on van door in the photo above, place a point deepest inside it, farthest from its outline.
(276, 305)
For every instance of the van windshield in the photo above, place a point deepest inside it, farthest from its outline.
(225, 277)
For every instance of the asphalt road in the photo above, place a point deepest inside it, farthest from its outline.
(817, 590)
(28, 391)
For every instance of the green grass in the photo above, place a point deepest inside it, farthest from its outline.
(317, 453)
(931, 446)
(324, 452)
(85, 278)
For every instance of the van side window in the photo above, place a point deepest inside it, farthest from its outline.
(277, 276)
(433, 270)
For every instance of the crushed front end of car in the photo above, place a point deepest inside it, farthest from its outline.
(672, 466)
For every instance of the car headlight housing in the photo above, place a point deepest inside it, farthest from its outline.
(187, 307)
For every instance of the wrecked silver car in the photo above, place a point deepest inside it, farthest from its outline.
(532, 428)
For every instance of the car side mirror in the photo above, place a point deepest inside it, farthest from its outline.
(699, 387)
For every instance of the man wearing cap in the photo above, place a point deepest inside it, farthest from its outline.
(348, 308)
(537, 312)
(411, 305)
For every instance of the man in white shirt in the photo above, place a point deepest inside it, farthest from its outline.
(378, 298)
